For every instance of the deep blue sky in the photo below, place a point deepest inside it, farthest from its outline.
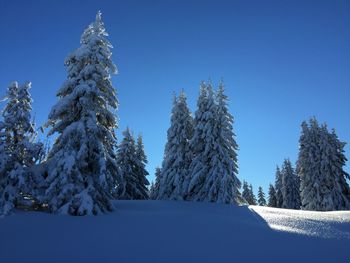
(282, 62)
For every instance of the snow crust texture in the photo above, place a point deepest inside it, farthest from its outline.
(309, 223)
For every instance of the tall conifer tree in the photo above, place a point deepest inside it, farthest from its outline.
(290, 186)
(177, 154)
(214, 166)
(321, 164)
(133, 183)
(278, 188)
(141, 164)
(272, 197)
(82, 166)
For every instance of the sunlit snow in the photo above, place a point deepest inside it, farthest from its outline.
(311, 223)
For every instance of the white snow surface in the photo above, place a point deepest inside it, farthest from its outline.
(334, 224)
(175, 231)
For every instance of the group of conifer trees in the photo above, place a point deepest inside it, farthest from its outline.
(249, 196)
(319, 180)
(200, 157)
(85, 168)
(285, 193)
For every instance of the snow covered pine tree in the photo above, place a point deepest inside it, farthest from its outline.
(272, 197)
(290, 186)
(155, 189)
(141, 164)
(278, 188)
(19, 152)
(82, 167)
(230, 184)
(213, 170)
(246, 192)
(252, 198)
(261, 197)
(133, 184)
(320, 167)
(177, 154)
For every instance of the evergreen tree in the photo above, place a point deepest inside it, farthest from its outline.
(155, 189)
(141, 165)
(320, 167)
(261, 197)
(177, 154)
(151, 190)
(278, 188)
(246, 192)
(19, 152)
(228, 182)
(82, 167)
(290, 187)
(272, 197)
(252, 198)
(214, 166)
(132, 186)
(201, 144)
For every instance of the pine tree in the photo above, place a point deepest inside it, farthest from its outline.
(133, 185)
(290, 186)
(214, 166)
(151, 190)
(177, 155)
(252, 198)
(228, 184)
(278, 188)
(18, 150)
(261, 197)
(9, 184)
(320, 167)
(203, 138)
(246, 192)
(272, 197)
(141, 166)
(82, 167)
(155, 189)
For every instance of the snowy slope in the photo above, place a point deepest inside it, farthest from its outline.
(160, 231)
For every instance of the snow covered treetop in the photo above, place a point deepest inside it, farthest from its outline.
(97, 27)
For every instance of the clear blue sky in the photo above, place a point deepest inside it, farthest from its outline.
(282, 62)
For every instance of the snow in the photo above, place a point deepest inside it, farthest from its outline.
(168, 231)
(309, 223)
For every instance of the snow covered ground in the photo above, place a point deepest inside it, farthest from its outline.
(310, 223)
(160, 231)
